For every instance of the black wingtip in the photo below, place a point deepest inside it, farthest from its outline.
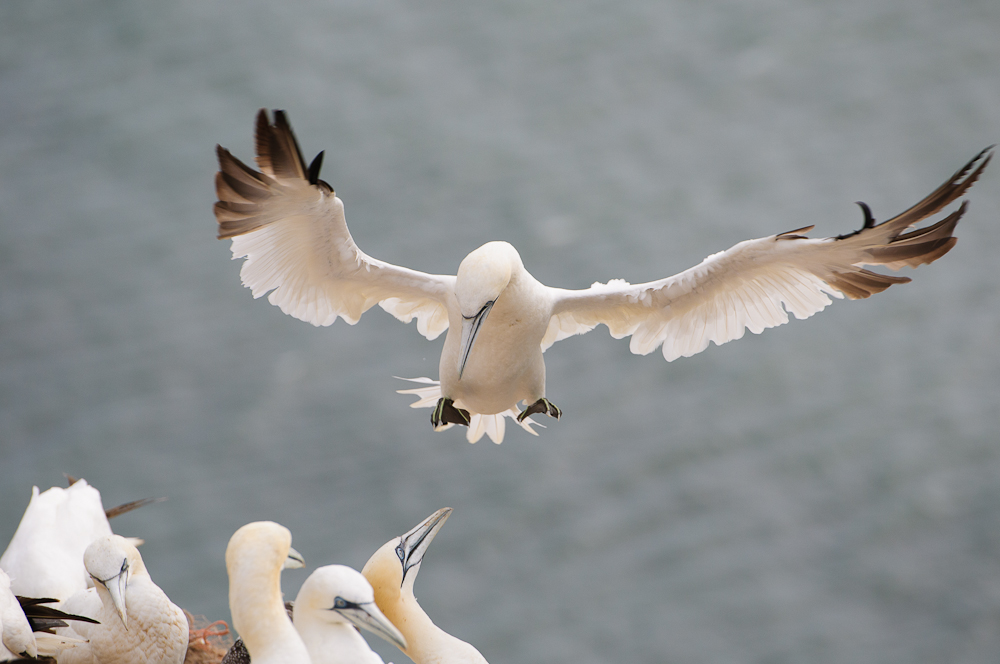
(314, 167)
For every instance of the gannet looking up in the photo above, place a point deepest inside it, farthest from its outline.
(138, 622)
(256, 554)
(391, 571)
(290, 227)
(331, 602)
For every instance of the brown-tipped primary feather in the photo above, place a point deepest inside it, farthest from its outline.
(943, 195)
(278, 152)
(118, 510)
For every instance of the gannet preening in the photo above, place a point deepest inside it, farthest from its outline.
(45, 556)
(331, 602)
(256, 554)
(290, 227)
(391, 571)
(138, 622)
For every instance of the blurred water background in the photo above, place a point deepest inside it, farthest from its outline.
(828, 491)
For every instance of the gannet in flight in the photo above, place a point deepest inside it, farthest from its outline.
(138, 622)
(391, 571)
(256, 554)
(331, 603)
(290, 227)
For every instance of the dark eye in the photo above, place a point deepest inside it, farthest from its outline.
(340, 603)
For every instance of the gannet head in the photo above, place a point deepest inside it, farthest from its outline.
(111, 561)
(482, 277)
(262, 545)
(397, 562)
(339, 594)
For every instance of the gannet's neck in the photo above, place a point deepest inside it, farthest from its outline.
(427, 643)
(260, 619)
(328, 642)
(254, 560)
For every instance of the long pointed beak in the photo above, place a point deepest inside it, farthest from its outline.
(368, 616)
(116, 588)
(294, 560)
(470, 330)
(413, 544)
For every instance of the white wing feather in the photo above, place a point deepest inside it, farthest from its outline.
(290, 227)
(757, 283)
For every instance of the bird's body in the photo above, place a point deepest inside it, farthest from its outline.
(45, 556)
(255, 556)
(138, 622)
(290, 227)
(16, 638)
(392, 571)
(332, 603)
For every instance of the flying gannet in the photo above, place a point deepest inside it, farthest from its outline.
(138, 622)
(290, 227)
(391, 571)
(331, 602)
(256, 554)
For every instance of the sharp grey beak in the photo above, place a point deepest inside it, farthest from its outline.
(368, 616)
(294, 560)
(116, 588)
(470, 330)
(413, 545)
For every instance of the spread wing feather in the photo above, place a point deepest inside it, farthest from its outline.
(290, 227)
(757, 283)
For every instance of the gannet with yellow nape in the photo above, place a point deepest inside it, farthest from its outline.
(331, 603)
(138, 622)
(290, 227)
(255, 556)
(391, 571)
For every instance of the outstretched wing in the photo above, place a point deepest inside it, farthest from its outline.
(755, 284)
(290, 227)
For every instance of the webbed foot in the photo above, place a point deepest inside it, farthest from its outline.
(543, 406)
(446, 413)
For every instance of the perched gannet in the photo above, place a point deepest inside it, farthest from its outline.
(391, 571)
(290, 227)
(27, 625)
(45, 556)
(256, 554)
(138, 622)
(331, 602)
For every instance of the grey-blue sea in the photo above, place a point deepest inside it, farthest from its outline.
(828, 491)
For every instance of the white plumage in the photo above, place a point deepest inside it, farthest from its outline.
(45, 556)
(331, 603)
(138, 622)
(16, 637)
(290, 227)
